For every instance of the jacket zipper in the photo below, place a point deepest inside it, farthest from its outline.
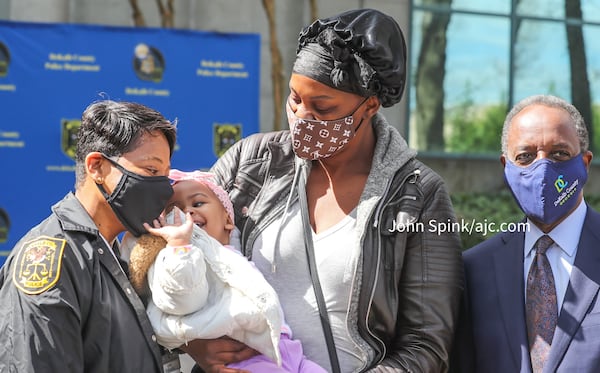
(244, 228)
(378, 215)
(415, 174)
(258, 228)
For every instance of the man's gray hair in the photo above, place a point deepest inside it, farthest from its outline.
(550, 101)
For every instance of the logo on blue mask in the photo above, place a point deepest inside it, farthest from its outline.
(546, 190)
(560, 184)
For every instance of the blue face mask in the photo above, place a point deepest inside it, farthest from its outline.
(545, 190)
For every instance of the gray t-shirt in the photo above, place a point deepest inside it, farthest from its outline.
(335, 253)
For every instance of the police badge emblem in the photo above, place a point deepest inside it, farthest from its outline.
(148, 63)
(4, 225)
(224, 136)
(69, 130)
(4, 60)
(37, 264)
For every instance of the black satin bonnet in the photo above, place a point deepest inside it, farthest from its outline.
(360, 51)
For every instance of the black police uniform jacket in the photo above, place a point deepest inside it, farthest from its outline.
(67, 305)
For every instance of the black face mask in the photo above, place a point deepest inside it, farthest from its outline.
(137, 199)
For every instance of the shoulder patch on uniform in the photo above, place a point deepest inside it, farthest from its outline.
(37, 265)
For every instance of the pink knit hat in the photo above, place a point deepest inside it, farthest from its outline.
(207, 179)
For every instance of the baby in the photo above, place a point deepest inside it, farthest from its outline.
(200, 286)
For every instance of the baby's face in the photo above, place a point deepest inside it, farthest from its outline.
(206, 209)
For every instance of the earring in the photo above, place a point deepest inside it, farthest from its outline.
(99, 180)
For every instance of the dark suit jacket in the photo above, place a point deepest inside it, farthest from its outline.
(492, 336)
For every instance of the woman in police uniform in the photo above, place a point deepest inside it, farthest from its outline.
(67, 304)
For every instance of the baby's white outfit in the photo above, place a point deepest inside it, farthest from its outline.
(207, 290)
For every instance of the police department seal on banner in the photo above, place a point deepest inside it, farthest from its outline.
(224, 136)
(37, 265)
(4, 225)
(4, 60)
(148, 63)
(69, 129)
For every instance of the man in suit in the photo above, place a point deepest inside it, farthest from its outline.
(531, 307)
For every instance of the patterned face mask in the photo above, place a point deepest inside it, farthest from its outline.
(315, 139)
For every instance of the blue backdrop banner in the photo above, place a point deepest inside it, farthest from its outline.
(49, 73)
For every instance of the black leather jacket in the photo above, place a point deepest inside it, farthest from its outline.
(411, 281)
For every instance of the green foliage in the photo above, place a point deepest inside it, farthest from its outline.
(475, 129)
(484, 208)
(497, 208)
(595, 141)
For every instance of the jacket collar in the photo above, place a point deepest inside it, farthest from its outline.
(391, 153)
(508, 262)
(581, 292)
(584, 284)
(73, 216)
(391, 150)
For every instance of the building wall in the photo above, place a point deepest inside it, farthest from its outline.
(222, 16)
(462, 173)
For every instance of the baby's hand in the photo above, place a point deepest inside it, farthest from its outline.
(177, 234)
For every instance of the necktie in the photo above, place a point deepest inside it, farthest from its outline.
(540, 307)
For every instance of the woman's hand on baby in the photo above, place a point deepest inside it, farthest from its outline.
(177, 234)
